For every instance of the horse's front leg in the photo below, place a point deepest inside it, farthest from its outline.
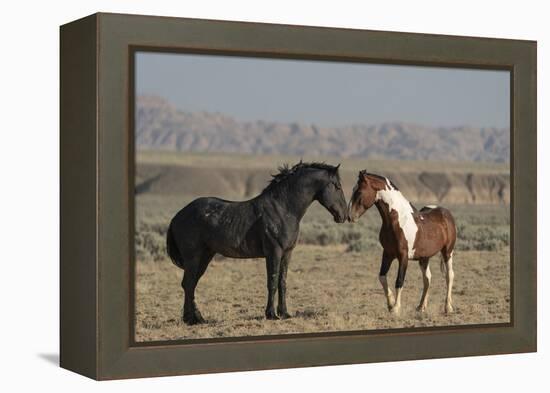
(384, 267)
(403, 262)
(273, 263)
(281, 307)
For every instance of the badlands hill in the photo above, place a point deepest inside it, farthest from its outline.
(161, 126)
(242, 177)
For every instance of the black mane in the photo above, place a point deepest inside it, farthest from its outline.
(286, 172)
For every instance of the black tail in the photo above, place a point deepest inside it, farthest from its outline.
(172, 249)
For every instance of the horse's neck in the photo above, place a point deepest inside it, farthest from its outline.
(384, 213)
(388, 200)
(295, 203)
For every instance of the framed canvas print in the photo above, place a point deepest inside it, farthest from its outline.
(242, 196)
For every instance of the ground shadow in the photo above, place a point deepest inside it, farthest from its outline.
(52, 358)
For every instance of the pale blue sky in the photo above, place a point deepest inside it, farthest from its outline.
(326, 93)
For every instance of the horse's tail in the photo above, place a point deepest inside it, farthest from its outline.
(172, 248)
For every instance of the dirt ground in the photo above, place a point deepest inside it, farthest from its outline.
(329, 289)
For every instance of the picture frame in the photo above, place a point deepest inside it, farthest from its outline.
(97, 195)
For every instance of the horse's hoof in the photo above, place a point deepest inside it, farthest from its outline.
(394, 310)
(449, 308)
(421, 308)
(190, 321)
(271, 315)
(284, 315)
(193, 318)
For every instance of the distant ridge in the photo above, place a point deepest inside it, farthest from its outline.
(162, 126)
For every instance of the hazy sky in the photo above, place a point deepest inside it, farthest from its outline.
(326, 93)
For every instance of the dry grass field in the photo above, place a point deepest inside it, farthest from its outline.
(329, 289)
(333, 276)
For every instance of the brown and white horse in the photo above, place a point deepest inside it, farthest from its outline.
(406, 234)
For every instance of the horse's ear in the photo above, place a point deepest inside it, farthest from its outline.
(363, 176)
(336, 168)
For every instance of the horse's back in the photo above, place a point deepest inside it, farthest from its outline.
(222, 226)
(438, 210)
(201, 210)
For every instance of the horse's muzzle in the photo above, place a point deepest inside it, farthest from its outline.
(340, 218)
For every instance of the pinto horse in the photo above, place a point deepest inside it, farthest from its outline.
(266, 226)
(406, 234)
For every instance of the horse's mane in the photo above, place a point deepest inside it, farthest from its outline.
(286, 172)
(379, 177)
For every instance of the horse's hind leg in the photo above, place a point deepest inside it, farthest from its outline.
(447, 267)
(426, 276)
(194, 269)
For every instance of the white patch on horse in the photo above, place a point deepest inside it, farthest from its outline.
(449, 278)
(396, 201)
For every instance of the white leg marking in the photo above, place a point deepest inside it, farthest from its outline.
(397, 306)
(449, 278)
(427, 277)
(387, 291)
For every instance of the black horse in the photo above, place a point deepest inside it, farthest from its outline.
(265, 226)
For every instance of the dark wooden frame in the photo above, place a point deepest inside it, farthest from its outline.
(97, 175)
